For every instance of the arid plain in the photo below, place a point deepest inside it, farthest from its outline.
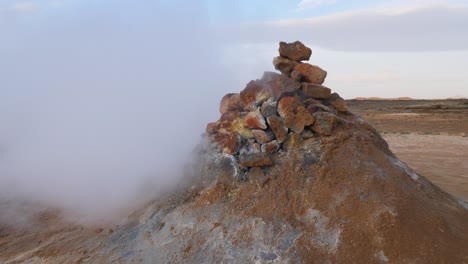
(431, 136)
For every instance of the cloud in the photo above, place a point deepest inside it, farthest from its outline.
(24, 7)
(313, 3)
(422, 28)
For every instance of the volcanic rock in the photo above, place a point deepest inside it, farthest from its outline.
(283, 84)
(229, 143)
(311, 73)
(254, 160)
(254, 95)
(284, 65)
(295, 51)
(255, 120)
(230, 102)
(268, 109)
(263, 137)
(316, 91)
(339, 103)
(276, 124)
(296, 117)
(270, 147)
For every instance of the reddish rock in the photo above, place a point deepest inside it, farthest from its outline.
(310, 101)
(268, 109)
(263, 137)
(297, 76)
(254, 160)
(283, 84)
(231, 122)
(295, 115)
(288, 105)
(255, 120)
(292, 141)
(311, 73)
(238, 125)
(230, 116)
(324, 123)
(211, 128)
(316, 91)
(276, 124)
(270, 147)
(301, 119)
(229, 143)
(255, 94)
(284, 65)
(295, 51)
(339, 103)
(230, 102)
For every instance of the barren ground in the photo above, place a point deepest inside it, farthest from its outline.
(429, 135)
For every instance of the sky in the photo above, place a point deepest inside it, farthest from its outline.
(102, 100)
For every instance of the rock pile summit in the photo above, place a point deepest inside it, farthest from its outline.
(277, 112)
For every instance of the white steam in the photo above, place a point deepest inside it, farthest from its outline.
(97, 108)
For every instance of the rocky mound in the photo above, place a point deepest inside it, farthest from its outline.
(287, 175)
(277, 112)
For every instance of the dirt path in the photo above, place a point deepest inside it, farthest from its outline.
(442, 159)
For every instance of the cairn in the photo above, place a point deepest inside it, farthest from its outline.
(278, 111)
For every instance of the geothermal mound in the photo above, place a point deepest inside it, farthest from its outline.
(288, 175)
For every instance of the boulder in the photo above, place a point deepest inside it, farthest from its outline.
(263, 137)
(283, 84)
(255, 120)
(270, 147)
(284, 65)
(288, 105)
(229, 143)
(254, 94)
(268, 109)
(276, 124)
(230, 102)
(295, 51)
(250, 160)
(339, 103)
(302, 118)
(311, 73)
(316, 91)
(295, 115)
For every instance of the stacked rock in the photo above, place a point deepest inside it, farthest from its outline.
(278, 111)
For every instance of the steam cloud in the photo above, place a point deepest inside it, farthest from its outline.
(99, 110)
